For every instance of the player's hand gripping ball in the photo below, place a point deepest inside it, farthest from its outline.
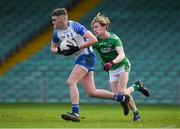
(70, 46)
(64, 45)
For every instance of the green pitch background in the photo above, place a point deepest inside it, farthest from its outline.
(94, 116)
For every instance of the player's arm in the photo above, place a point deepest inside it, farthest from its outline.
(54, 47)
(54, 44)
(119, 49)
(120, 56)
(91, 40)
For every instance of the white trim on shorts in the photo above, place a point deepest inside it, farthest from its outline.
(83, 67)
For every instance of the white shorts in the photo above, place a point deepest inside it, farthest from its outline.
(114, 74)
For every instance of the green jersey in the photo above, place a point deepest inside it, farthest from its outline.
(107, 51)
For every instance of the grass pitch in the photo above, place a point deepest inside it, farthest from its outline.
(94, 116)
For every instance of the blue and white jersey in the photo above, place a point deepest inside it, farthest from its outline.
(74, 29)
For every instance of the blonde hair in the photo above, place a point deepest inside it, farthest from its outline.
(103, 20)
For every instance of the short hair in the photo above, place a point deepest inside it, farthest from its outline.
(59, 11)
(103, 20)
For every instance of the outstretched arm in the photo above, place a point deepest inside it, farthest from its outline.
(90, 40)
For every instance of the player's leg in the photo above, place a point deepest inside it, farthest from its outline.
(113, 86)
(88, 62)
(138, 86)
(122, 82)
(89, 86)
(131, 103)
(121, 87)
(88, 83)
(77, 74)
(118, 82)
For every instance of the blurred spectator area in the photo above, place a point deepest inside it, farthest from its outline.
(149, 30)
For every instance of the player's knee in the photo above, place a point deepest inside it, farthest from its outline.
(71, 83)
(91, 93)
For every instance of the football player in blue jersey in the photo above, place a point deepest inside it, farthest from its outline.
(84, 62)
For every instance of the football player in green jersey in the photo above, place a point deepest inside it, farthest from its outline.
(115, 62)
(84, 62)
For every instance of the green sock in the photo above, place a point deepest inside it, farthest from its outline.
(135, 86)
(136, 112)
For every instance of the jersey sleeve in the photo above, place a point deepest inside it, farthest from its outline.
(80, 29)
(55, 38)
(117, 42)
